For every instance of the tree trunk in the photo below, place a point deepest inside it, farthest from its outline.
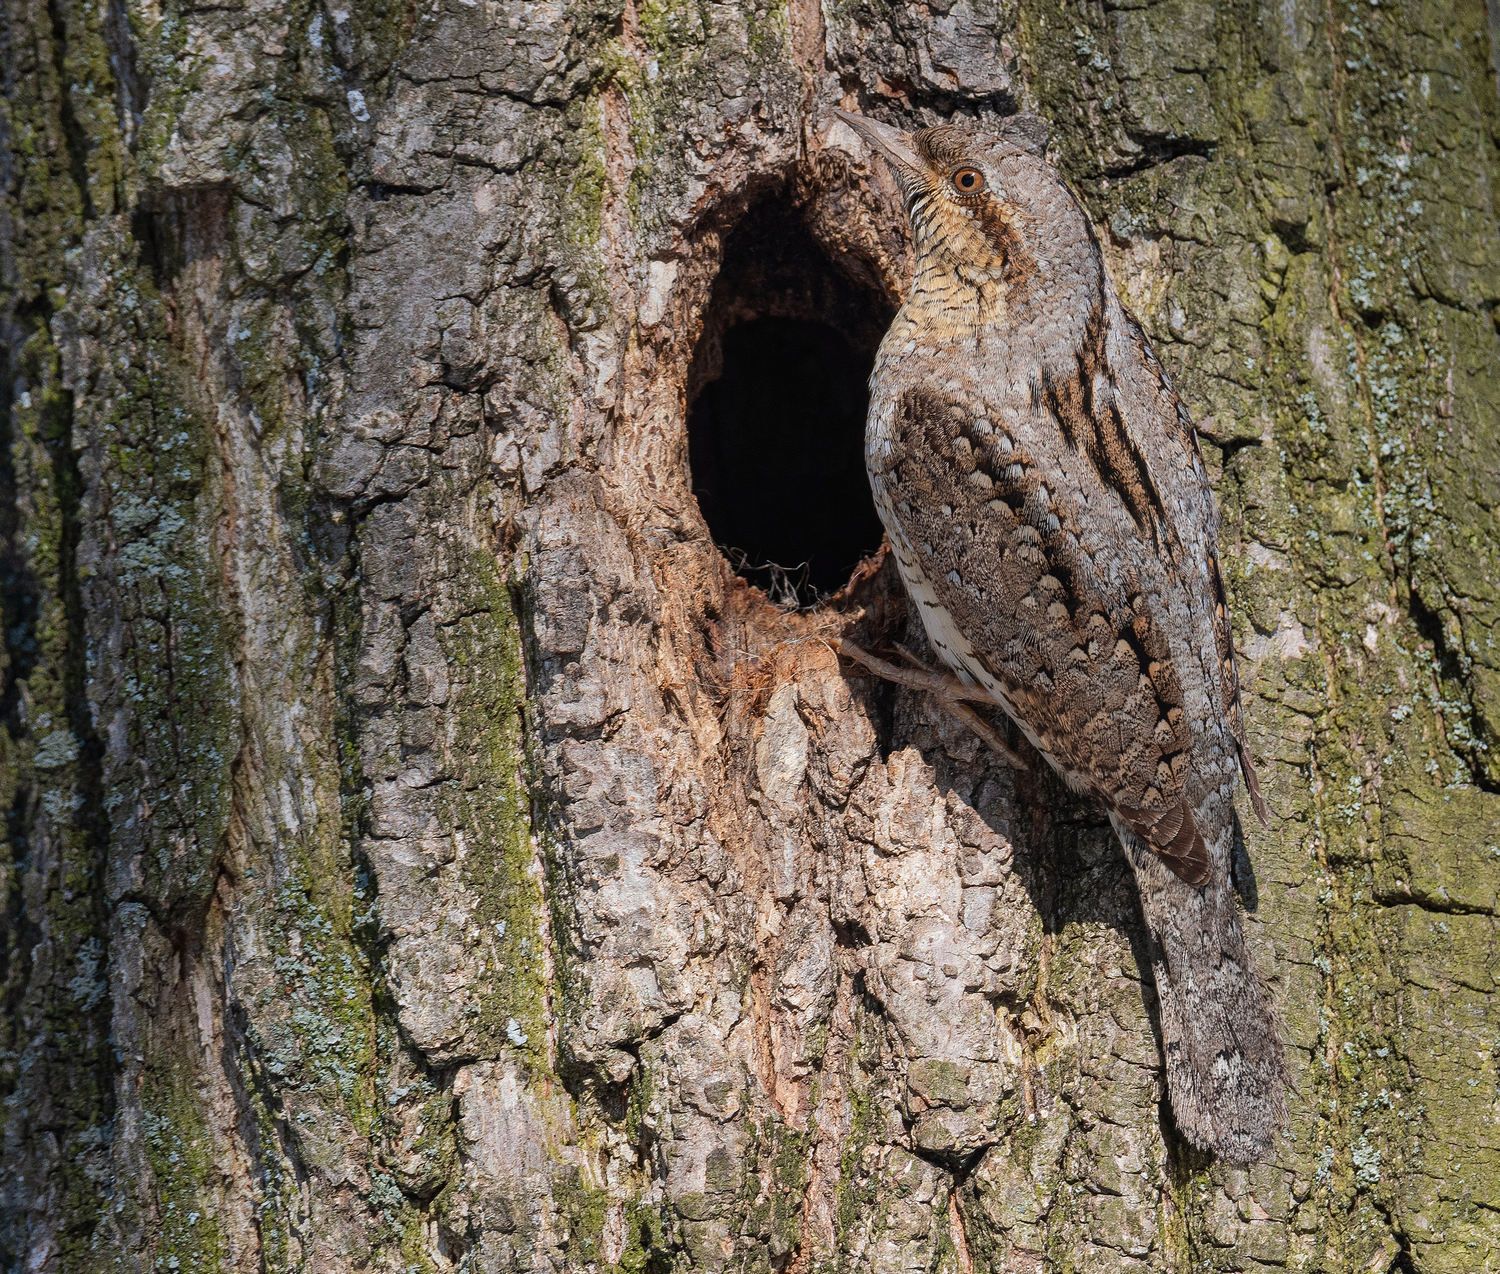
(437, 839)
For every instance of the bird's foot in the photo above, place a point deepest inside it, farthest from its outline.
(948, 690)
(915, 675)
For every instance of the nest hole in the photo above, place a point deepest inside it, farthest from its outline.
(777, 399)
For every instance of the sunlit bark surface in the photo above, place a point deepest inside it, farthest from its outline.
(424, 853)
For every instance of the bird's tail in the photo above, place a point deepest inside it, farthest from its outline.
(1226, 1075)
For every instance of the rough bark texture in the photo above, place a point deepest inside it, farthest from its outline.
(424, 853)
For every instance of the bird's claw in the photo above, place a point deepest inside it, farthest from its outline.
(953, 694)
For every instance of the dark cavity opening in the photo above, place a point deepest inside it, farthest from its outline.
(777, 399)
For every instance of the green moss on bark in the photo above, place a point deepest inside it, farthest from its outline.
(501, 864)
(183, 1155)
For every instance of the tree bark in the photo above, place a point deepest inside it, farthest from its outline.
(424, 852)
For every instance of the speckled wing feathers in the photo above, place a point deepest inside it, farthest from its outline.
(1083, 667)
(1171, 409)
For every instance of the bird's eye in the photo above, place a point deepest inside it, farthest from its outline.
(967, 181)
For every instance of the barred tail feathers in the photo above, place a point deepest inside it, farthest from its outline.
(1226, 1073)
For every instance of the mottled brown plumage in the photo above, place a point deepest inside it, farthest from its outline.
(1042, 487)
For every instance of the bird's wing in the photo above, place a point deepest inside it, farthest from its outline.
(1077, 652)
(1169, 407)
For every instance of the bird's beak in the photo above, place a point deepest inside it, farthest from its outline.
(890, 143)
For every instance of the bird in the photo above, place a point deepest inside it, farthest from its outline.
(1044, 495)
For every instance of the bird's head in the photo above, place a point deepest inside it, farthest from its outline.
(984, 205)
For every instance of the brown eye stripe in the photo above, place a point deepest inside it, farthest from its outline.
(967, 181)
